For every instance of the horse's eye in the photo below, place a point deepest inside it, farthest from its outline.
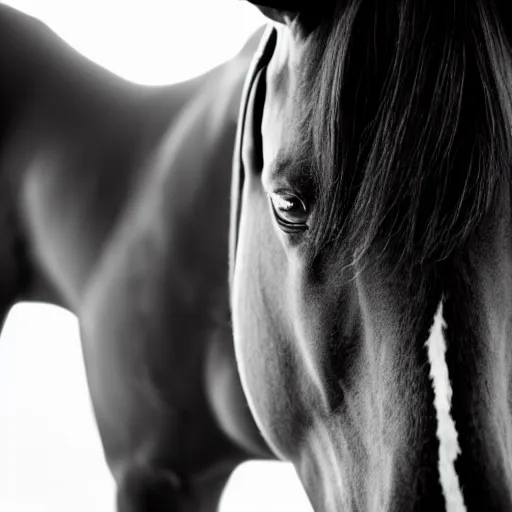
(290, 212)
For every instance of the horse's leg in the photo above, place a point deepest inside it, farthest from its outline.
(14, 273)
(7, 300)
(162, 443)
(145, 353)
(146, 490)
(5, 307)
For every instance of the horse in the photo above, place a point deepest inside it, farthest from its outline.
(303, 254)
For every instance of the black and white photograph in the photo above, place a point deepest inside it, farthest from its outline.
(255, 256)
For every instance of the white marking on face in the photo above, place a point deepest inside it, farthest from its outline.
(449, 447)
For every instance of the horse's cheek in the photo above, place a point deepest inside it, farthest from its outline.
(262, 348)
(261, 356)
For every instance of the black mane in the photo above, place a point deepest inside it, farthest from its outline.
(407, 111)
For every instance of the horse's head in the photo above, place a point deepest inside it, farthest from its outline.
(374, 142)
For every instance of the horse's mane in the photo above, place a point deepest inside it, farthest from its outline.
(408, 111)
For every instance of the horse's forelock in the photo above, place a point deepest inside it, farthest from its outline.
(408, 111)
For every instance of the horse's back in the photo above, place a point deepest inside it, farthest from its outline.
(76, 142)
(70, 139)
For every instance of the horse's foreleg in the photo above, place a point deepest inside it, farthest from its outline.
(141, 489)
(165, 452)
(145, 355)
(147, 490)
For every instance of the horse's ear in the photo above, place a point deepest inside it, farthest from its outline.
(277, 10)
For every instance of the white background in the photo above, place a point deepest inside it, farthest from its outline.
(50, 454)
